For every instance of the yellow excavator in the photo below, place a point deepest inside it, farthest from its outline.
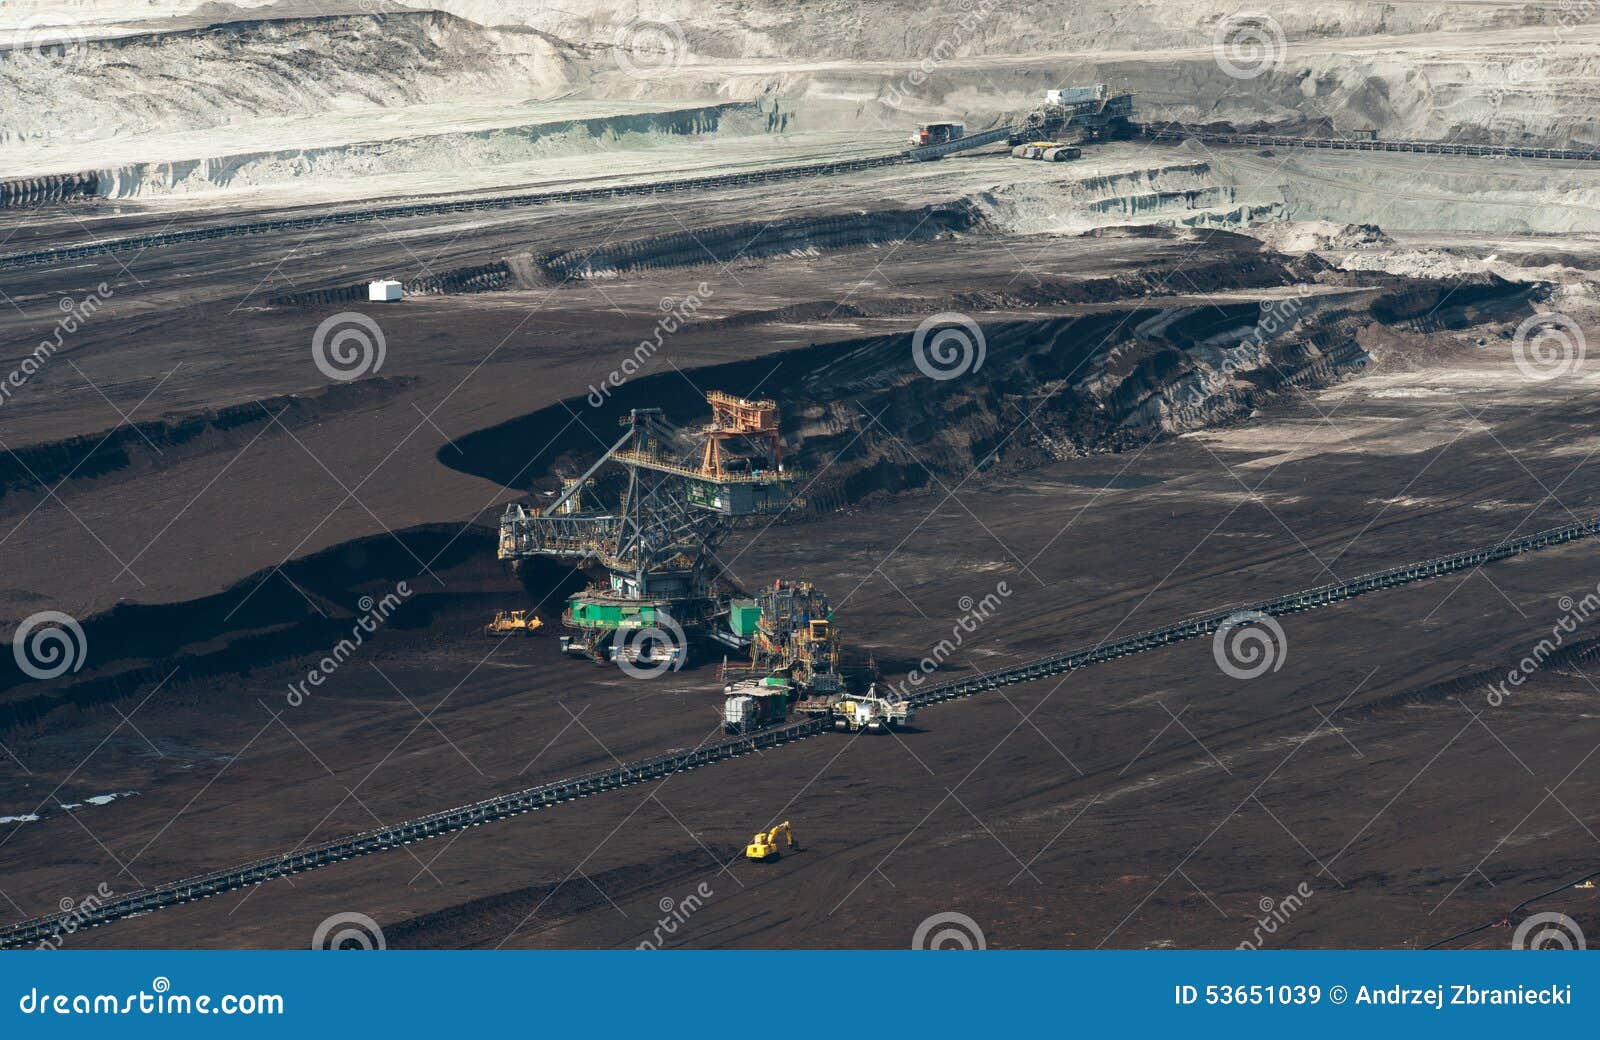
(764, 846)
(513, 622)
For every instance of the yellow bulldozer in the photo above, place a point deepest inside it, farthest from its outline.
(764, 846)
(513, 622)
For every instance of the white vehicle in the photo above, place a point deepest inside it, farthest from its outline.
(872, 713)
(384, 291)
(1076, 95)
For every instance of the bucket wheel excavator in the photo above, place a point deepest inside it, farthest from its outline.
(677, 490)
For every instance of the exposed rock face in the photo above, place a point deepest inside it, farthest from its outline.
(1503, 72)
(190, 79)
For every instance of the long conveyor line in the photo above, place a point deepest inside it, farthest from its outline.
(321, 855)
(547, 795)
(1293, 603)
(422, 209)
(1171, 132)
(1370, 144)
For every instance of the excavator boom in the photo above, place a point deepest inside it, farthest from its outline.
(764, 845)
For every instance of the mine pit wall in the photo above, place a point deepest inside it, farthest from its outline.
(1098, 385)
(481, 278)
(1524, 95)
(1484, 196)
(725, 243)
(478, 148)
(28, 471)
(194, 78)
(710, 245)
(60, 187)
(268, 617)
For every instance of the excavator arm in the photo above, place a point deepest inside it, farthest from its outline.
(764, 844)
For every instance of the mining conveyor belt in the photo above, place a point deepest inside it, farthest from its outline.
(1357, 144)
(661, 766)
(321, 855)
(422, 209)
(761, 176)
(1293, 603)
